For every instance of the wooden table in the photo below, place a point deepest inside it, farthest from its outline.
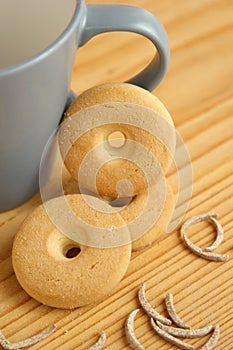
(197, 91)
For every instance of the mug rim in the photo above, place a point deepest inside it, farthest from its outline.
(45, 52)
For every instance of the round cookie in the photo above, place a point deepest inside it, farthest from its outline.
(118, 92)
(132, 209)
(57, 271)
(108, 98)
(160, 226)
(160, 209)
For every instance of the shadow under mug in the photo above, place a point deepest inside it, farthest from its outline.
(34, 91)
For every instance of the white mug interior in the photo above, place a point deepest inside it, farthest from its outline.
(27, 27)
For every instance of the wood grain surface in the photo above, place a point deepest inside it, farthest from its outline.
(198, 92)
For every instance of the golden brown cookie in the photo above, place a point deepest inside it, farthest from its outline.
(113, 142)
(57, 271)
(139, 213)
(161, 224)
(118, 92)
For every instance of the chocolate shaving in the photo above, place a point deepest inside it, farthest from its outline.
(205, 255)
(129, 331)
(27, 342)
(170, 338)
(150, 311)
(100, 343)
(172, 312)
(185, 333)
(213, 341)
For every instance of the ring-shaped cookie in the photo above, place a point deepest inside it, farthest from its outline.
(160, 225)
(134, 209)
(116, 135)
(59, 272)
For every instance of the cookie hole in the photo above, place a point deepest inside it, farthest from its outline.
(116, 139)
(72, 252)
(119, 202)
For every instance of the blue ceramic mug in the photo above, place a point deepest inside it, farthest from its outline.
(38, 41)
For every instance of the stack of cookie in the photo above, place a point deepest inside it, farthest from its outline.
(117, 141)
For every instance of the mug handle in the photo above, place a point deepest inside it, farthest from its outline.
(108, 18)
